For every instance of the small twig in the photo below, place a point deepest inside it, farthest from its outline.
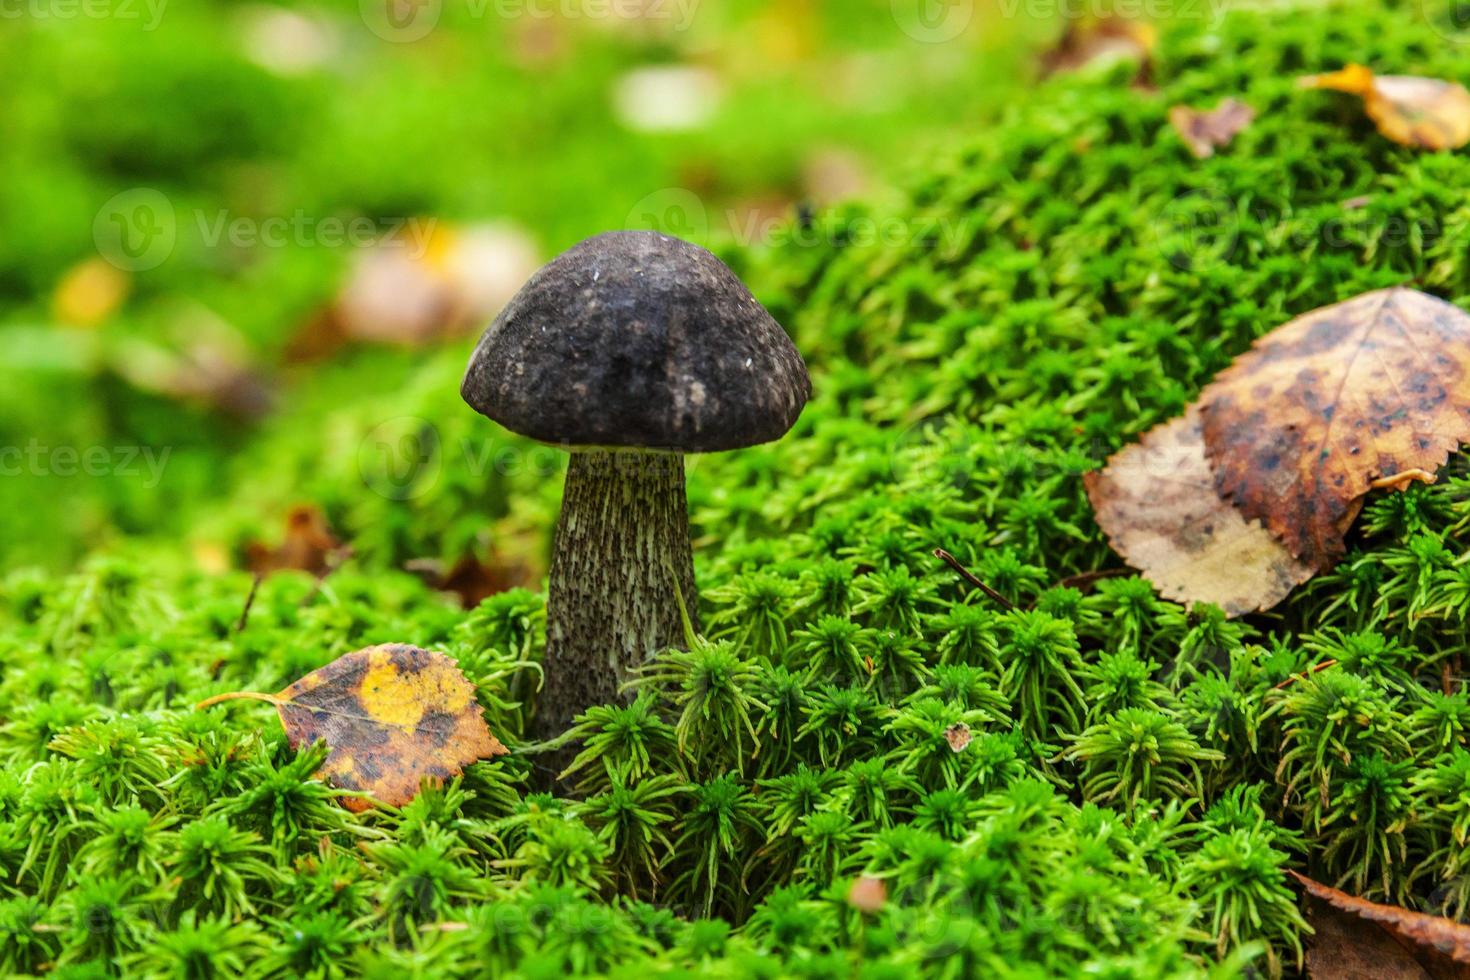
(1085, 579)
(1303, 675)
(1401, 480)
(970, 577)
(238, 696)
(249, 603)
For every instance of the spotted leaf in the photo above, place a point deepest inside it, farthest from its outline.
(390, 715)
(1370, 393)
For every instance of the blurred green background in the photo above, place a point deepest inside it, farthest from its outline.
(225, 223)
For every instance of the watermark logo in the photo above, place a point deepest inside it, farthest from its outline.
(401, 458)
(150, 12)
(401, 21)
(1197, 230)
(934, 452)
(679, 14)
(671, 211)
(136, 230)
(1450, 21)
(933, 21)
(36, 458)
(679, 212)
(405, 21)
(139, 229)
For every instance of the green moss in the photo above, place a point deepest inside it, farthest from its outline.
(1137, 775)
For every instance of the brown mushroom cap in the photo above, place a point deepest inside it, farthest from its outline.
(634, 338)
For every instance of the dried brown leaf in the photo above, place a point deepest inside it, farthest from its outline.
(472, 579)
(1358, 938)
(958, 736)
(1096, 40)
(1374, 390)
(1205, 131)
(308, 545)
(1429, 113)
(1157, 503)
(391, 715)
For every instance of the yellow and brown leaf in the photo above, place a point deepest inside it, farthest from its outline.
(1426, 113)
(391, 715)
(1364, 394)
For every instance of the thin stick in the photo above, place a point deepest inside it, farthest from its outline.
(970, 577)
(1086, 579)
(237, 696)
(249, 603)
(1304, 674)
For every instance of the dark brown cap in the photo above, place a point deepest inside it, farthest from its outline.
(633, 338)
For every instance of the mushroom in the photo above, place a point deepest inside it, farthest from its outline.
(629, 350)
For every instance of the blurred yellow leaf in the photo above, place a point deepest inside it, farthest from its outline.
(89, 293)
(1428, 113)
(429, 281)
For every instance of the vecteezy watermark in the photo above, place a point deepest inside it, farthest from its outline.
(1199, 229)
(148, 12)
(935, 452)
(1451, 21)
(1209, 11)
(401, 21)
(36, 458)
(679, 14)
(139, 229)
(680, 213)
(400, 458)
(136, 230)
(933, 21)
(302, 229)
(405, 21)
(405, 457)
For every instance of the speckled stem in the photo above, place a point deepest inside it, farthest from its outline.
(621, 544)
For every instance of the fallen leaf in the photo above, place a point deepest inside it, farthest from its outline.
(428, 282)
(1358, 938)
(1428, 113)
(308, 545)
(1301, 426)
(1101, 40)
(1156, 501)
(958, 736)
(1206, 131)
(471, 579)
(391, 715)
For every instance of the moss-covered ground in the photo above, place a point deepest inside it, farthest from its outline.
(1138, 775)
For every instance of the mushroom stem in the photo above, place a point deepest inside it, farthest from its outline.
(624, 526)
